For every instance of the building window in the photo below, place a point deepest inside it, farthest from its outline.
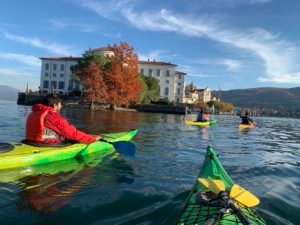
(70, 85)
(54, 75)
(46, 84)
(179, 76)
(53, 84)
(178, 91)
(158, 72)
(54, 66)
(150, 72)
(61, 85)
(177, 100)
(179, 84)
(166, 91)
(46, 74)
(47, 66)
(77, 85)
(167, 73)
(61, 75)
(62, 67)
(142, 71)
(167, 81)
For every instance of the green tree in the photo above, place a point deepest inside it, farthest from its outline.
(201, 105)
(151, 89)
(221, 106)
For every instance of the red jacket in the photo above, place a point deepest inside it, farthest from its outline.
(35, 126)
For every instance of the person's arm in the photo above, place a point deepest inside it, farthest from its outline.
(60, 125)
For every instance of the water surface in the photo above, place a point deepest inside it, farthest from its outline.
(150, 187)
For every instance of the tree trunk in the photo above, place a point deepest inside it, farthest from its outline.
(92, 107)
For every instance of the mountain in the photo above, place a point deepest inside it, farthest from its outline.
(285, 100)
(8, 93)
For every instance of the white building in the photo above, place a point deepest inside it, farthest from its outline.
(171, 82)
(204, 94)
(56, 76)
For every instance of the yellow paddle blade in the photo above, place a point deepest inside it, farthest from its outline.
(216, 186)
(243, 196)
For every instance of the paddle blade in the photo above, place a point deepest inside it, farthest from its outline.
(216, 186)
(124, 147)
(243, 196)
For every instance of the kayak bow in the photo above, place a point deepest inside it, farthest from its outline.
(205, 207)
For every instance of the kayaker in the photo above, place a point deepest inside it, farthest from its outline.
(45, 125)
(246, 119)
(202, 117)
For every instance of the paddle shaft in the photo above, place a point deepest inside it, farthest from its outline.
(229, 202)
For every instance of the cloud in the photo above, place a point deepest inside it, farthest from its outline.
(19, 78)
(14, 73)
(157, 55)
(35, 42)
(230, 64)
(106, 8)
(28, 60)
(258, 42)
(277, 55)
(80, 27)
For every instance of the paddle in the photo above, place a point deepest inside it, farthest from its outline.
(124, 147)
(237, 193)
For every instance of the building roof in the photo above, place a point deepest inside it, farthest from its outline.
(181, 73)
(61, 58)
(156, 63)
(106, 48)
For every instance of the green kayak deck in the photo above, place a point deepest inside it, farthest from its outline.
(203, 205)
(20, 155)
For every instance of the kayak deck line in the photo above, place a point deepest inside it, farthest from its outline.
(203, 207)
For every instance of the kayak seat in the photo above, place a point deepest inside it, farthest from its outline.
(6, 147)
(58, 145)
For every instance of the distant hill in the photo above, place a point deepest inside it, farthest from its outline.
(8, 93)
(263, 98)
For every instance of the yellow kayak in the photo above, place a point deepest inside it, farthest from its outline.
(207, 123)
(246, 126)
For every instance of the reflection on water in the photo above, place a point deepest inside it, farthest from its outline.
(150, 187)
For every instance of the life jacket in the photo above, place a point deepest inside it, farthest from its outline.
(35, 129)
(205, 116)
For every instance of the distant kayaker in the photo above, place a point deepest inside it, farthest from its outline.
(202, 117)
(246, 119)
(46, 125)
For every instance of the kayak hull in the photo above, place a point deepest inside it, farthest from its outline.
(202, 205)
(26, 155)
(246, 126)
(207, 123)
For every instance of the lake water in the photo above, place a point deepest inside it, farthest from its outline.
(151, 187)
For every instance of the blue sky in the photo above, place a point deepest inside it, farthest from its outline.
(226, 44)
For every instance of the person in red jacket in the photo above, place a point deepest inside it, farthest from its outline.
(45, 125)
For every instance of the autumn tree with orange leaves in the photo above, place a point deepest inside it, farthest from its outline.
(122, 77)
(113, 79)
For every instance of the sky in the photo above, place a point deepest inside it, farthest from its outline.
(220, 44)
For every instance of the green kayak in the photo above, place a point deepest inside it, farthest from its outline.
(14, 155)
(204, 207)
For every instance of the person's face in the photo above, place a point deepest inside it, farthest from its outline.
(57, 107)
